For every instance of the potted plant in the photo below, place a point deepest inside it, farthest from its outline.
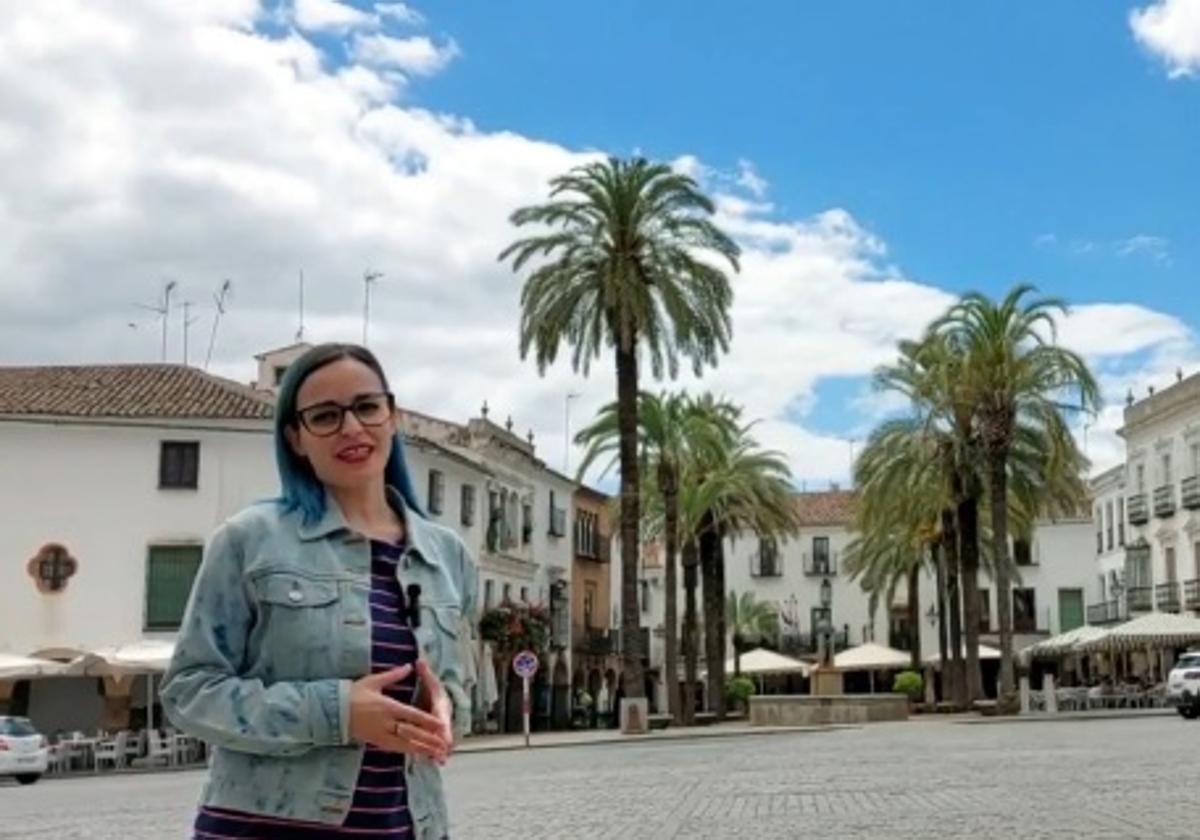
(738, 692)
(911, 685)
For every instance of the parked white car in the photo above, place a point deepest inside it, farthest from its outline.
(1183, 684)
(23, 750)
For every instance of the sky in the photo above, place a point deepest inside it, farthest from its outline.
(873, 160)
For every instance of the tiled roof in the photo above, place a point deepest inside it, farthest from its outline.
(832, 507)
(132, 391)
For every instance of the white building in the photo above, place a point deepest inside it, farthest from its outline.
(1161, 491)
(113, 478)
(1110, 528)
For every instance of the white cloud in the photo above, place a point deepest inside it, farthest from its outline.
(210, 151)
(1101, 330)
(416, 55)
(749, 179)
(399, 12)
(1156, 248)
(1171, 30)
(320, 15)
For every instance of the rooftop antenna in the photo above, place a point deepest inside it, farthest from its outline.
(219, 299)
(162, 310)
(187, 323)
(369, 279)
(300, 328)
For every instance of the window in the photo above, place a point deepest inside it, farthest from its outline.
(1169, 556)
(1023, 552)
(1196, 459)
(1121, 521)
(524, 594)
(589, 603)
(1024, 611)
(587, 527)
(1108, 509)
(644, 588)
(179, 464)
(766, 563)
(1141, 478)
(527, 523)
(280, 370)
(489, 593)
(467, 514)
(437, 492)
(985, 611)
(1099, 529)
(1166, 468)
(507, 593)
(1196, 558)
(558, 519)
(170, 570)
(821, 560)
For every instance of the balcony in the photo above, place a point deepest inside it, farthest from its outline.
(592, 641)
(643, 640)
(1191, 594)
(1106, 612)
(1191, 492)
(1164, 501)
(809, 644)
(1139, 513)
(1166, 597)
(594, 547)
(820, 565)
(1139, 599)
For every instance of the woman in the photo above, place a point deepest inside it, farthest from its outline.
(320, 650)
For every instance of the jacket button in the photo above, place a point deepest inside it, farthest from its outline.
(295, 596)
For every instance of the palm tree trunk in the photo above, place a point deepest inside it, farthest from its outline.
(714, 624)
(914, 615)
(627, 420)
(670, 618)
(968, 541)
(953, 599)
(998, 468)
(690, 568)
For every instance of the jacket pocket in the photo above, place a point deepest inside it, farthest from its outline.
(299, 626)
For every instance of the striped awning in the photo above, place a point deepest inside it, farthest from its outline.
(1153, 630)
(1064, 643)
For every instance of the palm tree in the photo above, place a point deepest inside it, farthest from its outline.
(929, 373)
(670, 427)
(618, 264)
(1014, 372)
(740, 489)
(750, 622)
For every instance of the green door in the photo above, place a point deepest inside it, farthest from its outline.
(1070, 609)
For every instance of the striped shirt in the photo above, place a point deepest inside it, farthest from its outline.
(379, 810)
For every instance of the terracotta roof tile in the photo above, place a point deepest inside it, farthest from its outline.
(161, 390)
(832, 507)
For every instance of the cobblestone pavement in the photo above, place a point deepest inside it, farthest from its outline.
(1101, 780)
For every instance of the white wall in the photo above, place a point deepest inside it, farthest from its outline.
(95, 490)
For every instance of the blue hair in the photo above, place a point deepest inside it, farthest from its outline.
(300, 488)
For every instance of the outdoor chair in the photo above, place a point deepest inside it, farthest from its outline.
(111, 751)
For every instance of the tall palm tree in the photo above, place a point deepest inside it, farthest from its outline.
(1014, 372)
(930, 373)
(750, 622)
(619, 263)
(671, 426)
(743, 490)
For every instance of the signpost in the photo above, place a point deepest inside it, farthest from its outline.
(525, 665)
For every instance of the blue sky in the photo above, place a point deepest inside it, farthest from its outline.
(873, 159)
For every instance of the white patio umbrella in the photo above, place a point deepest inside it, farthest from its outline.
(872, 657)
(986, 652)
(148, 657)
(1064, 644)
(16, 667)
(1153, 630)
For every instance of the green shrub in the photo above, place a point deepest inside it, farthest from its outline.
(738, 691)
(910, 683)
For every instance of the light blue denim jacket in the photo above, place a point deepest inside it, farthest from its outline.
(277, 628)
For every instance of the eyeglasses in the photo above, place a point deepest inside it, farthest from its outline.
(326, 419)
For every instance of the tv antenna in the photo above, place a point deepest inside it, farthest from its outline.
(187, 323)
(220, 298)
(370, 278)
(163, 310)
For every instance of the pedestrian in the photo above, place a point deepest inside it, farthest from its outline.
(320, 651)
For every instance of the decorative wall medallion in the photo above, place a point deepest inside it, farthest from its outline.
(51, 568)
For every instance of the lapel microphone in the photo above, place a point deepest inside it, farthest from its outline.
(414, 604)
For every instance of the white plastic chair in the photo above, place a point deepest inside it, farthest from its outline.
(111, 751)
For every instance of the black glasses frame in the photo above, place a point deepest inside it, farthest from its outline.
(303, 414)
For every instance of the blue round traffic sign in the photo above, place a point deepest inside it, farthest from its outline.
(525, 664)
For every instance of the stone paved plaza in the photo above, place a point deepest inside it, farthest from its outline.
(1101, 780)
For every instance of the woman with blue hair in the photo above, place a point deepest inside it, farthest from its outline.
(319, 654)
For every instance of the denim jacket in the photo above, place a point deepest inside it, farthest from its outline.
(276, 629)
